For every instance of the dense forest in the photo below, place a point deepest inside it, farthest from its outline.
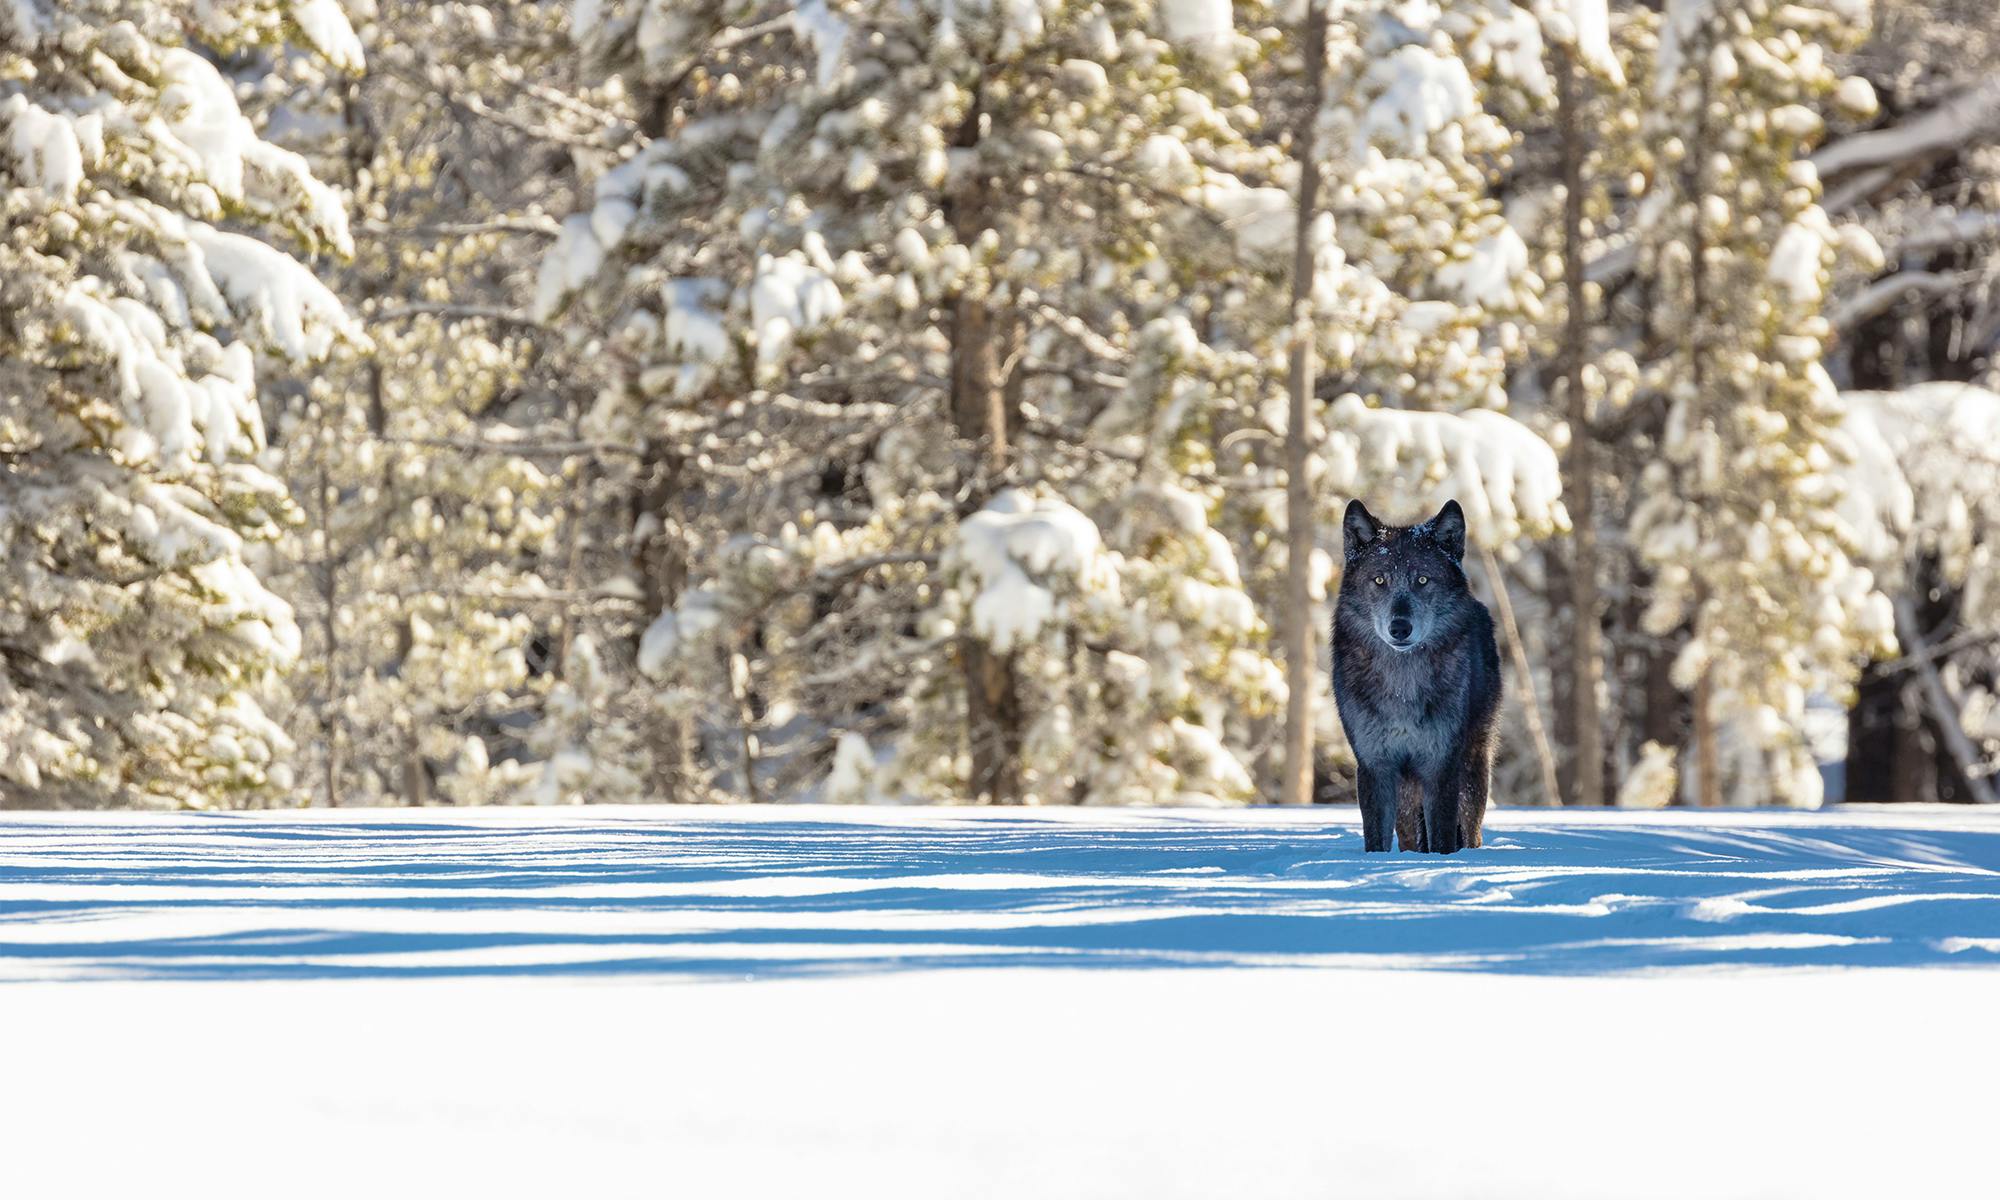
(955, 400)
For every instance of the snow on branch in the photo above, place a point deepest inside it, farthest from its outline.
(1016, 552)
(1923, 474)
(326, 28)
(1947, 127)
(1409, 463)
(1947, 229)
(1883, 294)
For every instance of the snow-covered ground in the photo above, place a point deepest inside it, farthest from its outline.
(957, 1003)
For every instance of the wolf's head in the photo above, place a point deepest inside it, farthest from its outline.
(1405, 582)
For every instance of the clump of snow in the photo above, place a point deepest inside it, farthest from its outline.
(272, 295)
(1197, 22)
(1167, 160)
(1261, 219)
(1801, 259)
(1877, 504)
(1921, 475)
(1018, 553)
(569, 264)
(698, 613)
(204, 128)
(586, 239)
(327, 30)
(1418, 92)
(692, 325)
(911, 247)
(562, 779)
(1209, 763)
(1510, 42)
(1586, 25)
(849, 781)
(1487, 276)
(827, 35)
(1856, 97)
(178, 414)
(1682, 20)
(1652, 781)
(44, 145)
(23, 20)
(1506, 476)
(789, 296)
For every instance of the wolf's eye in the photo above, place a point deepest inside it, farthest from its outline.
(1422, 580)
(1381, 580)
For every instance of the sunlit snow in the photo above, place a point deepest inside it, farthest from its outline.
(986, 1002)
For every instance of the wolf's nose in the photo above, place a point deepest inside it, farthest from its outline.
(1399, 629)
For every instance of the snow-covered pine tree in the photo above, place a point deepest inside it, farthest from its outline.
(136, 638)
(1437, 290)
(1594, 114)
(1922, 498)
(430, 469)
(875, 266)
(1420, 290)
(1736, 517)
(1923, 177)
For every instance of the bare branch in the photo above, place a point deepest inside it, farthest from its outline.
(1096, 343)
(522, 449)
(456, 312)
(1883, 294)
(526, 228)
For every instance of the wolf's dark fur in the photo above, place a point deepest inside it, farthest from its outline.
(1417, 679)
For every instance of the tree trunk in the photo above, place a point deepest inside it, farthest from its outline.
(979, 408)
(1586, 652)
(416, 773)
(361, 148)
(661, 566)
(1708, 786)
(360, 152)
(1297, 624)
(1562, 673)
(329, 596)
(984, 343)
(658, 554)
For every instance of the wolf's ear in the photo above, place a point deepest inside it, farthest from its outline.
(1448, 530)
(1360, 526)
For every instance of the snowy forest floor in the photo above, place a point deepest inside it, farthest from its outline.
(787, 1001)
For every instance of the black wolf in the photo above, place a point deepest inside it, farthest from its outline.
(1417, 680)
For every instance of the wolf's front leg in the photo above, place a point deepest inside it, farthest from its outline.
(1410, 815)
(1442, 834)
(1476, 779)
(1378, 806)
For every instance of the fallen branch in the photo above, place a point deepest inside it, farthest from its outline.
(1531, 705)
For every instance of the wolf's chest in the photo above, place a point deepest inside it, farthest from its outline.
(1413, 710)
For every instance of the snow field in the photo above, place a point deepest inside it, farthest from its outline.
(794, 1001)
